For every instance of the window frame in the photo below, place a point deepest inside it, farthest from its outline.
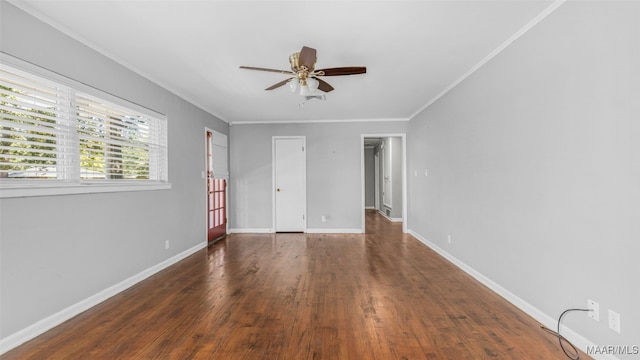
(11, 188)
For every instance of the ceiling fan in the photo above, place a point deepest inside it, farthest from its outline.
(306, 79)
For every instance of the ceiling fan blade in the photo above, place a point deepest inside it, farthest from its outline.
(347, 70)
(308, 57)
(323, 85)
(288, 72)
(277, 85)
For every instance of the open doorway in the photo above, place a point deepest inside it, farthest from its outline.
(217, 175)
(384, 176)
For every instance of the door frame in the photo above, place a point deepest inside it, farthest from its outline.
(273, 180)
(204, 175)
(403, 137)
(376, 180)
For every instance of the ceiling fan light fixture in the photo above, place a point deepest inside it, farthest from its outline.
(312, 84)
(293, 85)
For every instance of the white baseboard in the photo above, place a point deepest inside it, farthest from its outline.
(369, 207)
(334, 231)
(58, 318)
(390, 218)
(384, 215)
(310, 231)
(578, 340)
(250, 231)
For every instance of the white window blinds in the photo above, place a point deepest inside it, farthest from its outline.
(54, 131)
(35, 130)
(117, 143)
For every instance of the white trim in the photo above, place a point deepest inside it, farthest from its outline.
(403, 136)
(369, 207)
(389, 218)
(578, 340)
(52, 76)
(63, 29)
(250, 231)
(493, 54)
(206, 185)
(317, 121)
(25, 7)
(62, 189)
(63, 315)
(334, 231)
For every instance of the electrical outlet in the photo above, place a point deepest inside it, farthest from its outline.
(449, 238)
(166, 245)
(324, 218)
(594, 310)
(614, 321)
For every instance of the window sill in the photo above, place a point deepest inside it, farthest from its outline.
(30, 190)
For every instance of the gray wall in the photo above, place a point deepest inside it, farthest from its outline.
(534, 168)
(333, 172)
(59, 250)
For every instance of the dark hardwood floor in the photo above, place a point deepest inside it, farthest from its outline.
(381, 295)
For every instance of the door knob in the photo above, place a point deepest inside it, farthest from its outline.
(278, 189)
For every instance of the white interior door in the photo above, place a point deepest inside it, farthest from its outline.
(289, 184)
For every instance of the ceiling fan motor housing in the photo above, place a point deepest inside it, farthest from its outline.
(302, 71)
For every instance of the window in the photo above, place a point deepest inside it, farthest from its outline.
(61, 134)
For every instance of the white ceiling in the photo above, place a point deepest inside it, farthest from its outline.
(413, 50)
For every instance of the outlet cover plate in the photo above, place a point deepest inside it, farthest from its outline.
(594, 308)
(614, 321)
